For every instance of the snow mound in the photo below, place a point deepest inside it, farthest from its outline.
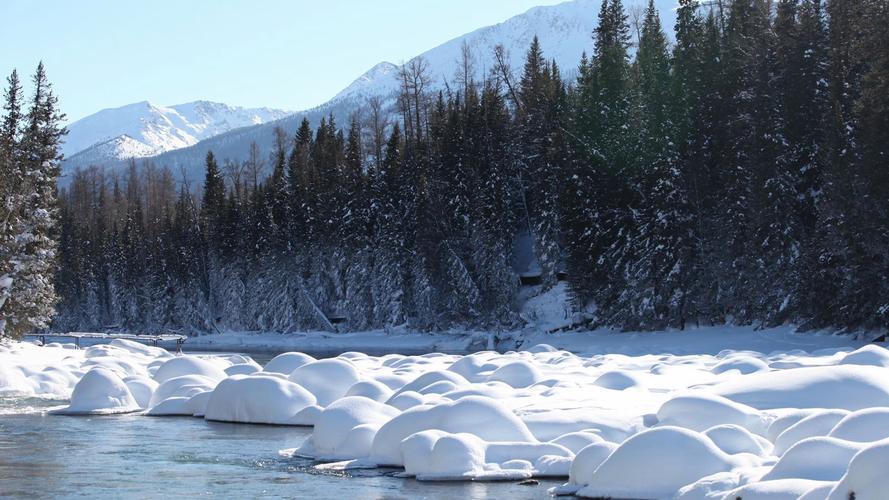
(671, 457)
(185, 386)
(700, 412)
(779, 489)
(243, 369)
(257, 400)
(328, 379)
(370, 389)
(734, 439)
(869, 355)
(188, 365)
(862, 426)
(618, 380)
(576, 441)
(817, 424)
(287, 362)
(142, 388)
(866, 476)
(587, 461)
(100, 392)
(517, 374)
(850, 387)
(483, 417)
(817, 458)
(745, 365)
(171, 407)
(336, 436)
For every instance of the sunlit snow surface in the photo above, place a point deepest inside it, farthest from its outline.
(782, 424)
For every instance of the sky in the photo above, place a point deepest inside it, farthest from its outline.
(287, 54)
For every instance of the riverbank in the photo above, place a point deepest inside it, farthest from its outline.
(707, 340)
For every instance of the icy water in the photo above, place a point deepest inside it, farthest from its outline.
(131, 456)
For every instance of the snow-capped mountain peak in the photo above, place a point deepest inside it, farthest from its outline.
(143, 129)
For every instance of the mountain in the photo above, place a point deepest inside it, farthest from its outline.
(565, 32)
(142, 129)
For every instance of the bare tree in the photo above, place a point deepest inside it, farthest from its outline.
(414, 102)
(255, 165)
(503, 71)
(466, 69)
(376, 126)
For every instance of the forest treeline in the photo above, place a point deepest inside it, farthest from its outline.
(736, 174)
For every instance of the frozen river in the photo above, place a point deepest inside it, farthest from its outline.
(44, 456)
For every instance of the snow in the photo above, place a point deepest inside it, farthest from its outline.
(849, 387)
(188, 365)
(100, 392)
(328, 379)
(818, 458)
(871, 424)
(691, 457)
(865, 478)
(142, 129)
(257, 400)
(699, 412)
(287, 362)
(666, 415)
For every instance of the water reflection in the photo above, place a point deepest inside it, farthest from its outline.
(142, 457)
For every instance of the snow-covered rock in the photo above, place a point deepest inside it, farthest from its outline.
(866, 477)
(327, 379)
(257, 400)
(287, 362)
(188, 365)
(100, 392)
(671, 457)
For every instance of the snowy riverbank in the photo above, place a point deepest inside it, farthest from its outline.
(707, 340)
(709, 413)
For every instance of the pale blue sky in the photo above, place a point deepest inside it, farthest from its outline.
(278, 53)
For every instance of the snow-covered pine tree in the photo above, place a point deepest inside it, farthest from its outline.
(11, 181)
(31, 302)
(661, 248)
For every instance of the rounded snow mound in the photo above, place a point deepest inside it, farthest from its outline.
(618, 380)
(587, 461)
(100, 392)
(370, 389)
(817, 424)
(257, 400)
(432, 377)
(862, 426)
(333, 437)
(185, 386)
(328, 379)
(817, 458)
(745, 365)
(734, 439)
(188, 365)
(517, 374)
(483, 417)
(576, 441)
(287, 362)
(869, 355)
(849, 387)
(778, 489)
(700, 412)
(142, 389)
(866, 477)
(671, 457)
(453, 456)
(171, 407)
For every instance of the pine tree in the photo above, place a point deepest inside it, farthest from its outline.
(32, 298)
(11, 184)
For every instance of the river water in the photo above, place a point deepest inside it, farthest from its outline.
(132, 456)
